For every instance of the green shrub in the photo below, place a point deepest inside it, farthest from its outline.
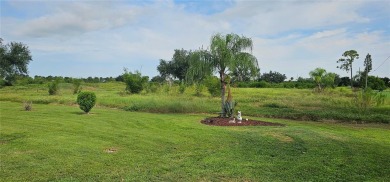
(86, 101)
(76, 86)
(2, 83)
(260, 84)
(27, 106)
(151, 87)
(135, 82)
(213, 86)
(53, 88)
(182, 88)
(199, 89)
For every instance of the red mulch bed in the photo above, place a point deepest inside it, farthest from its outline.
(218, 121)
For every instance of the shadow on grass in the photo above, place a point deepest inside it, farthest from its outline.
(81, 113)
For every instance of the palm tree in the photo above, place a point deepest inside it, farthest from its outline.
(226, 53)
(317, 76)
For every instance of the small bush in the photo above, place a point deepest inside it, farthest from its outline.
(3, 83)
(27, 106)
(213, 86)
(152, 87)
(86, 101)
(135, 82)
(260, 84)
(53, 88)
(76, 86)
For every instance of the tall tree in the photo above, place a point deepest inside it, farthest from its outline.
(177, 67)
(14, 58)
(346, 62)
(180, 63)
(226, 52)
(367, 66)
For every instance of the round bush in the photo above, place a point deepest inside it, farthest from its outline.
(86, 101)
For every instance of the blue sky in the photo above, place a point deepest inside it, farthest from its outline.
(100, 38)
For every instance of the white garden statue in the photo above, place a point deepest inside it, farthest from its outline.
(239, 118)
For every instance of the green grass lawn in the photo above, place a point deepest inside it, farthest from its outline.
(59, 143)
(299, 104)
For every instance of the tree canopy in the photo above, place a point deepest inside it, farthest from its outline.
(14, 59)
(273, 77)
(177, 67)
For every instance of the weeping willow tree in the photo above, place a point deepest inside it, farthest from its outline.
(227, 52)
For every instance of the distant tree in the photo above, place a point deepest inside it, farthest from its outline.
(135, 82)
(14, 58)
(322, 78)
(226, 51)
(157, 79)
(119, 78)
(376, 83)
(317, 76)
(337, 80)
(344, 81)
(367, 67)
(165, 69)
(180, 63)
(177, 67)
(346, 62)
(386, 80)
(273, 77)
(329, 80)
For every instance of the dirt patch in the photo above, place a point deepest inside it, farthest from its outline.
(218, 121)
(111, 150)
(280, 136)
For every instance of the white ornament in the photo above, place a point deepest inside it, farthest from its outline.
(239, 118)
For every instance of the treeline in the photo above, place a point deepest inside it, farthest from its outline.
(16, 56)
(23, 79)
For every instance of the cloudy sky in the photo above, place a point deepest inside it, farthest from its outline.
(100, 38)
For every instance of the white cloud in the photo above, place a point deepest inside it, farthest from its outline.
(291, 37)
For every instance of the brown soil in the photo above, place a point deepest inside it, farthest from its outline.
(218, 121)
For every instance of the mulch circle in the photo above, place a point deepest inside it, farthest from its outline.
(219, 121)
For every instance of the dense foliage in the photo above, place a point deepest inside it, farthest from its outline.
(177, 67)
(273, 77)
(53, 87)
(86, 101)
(135, 82)
(14, 59)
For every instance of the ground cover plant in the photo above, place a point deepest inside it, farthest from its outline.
(59, 143)
(299, 104)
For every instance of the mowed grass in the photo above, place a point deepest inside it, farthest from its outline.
(299, 104)
(59, 143)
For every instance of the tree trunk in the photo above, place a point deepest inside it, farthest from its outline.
(351, 77)
(223, 89)
(366, 79)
